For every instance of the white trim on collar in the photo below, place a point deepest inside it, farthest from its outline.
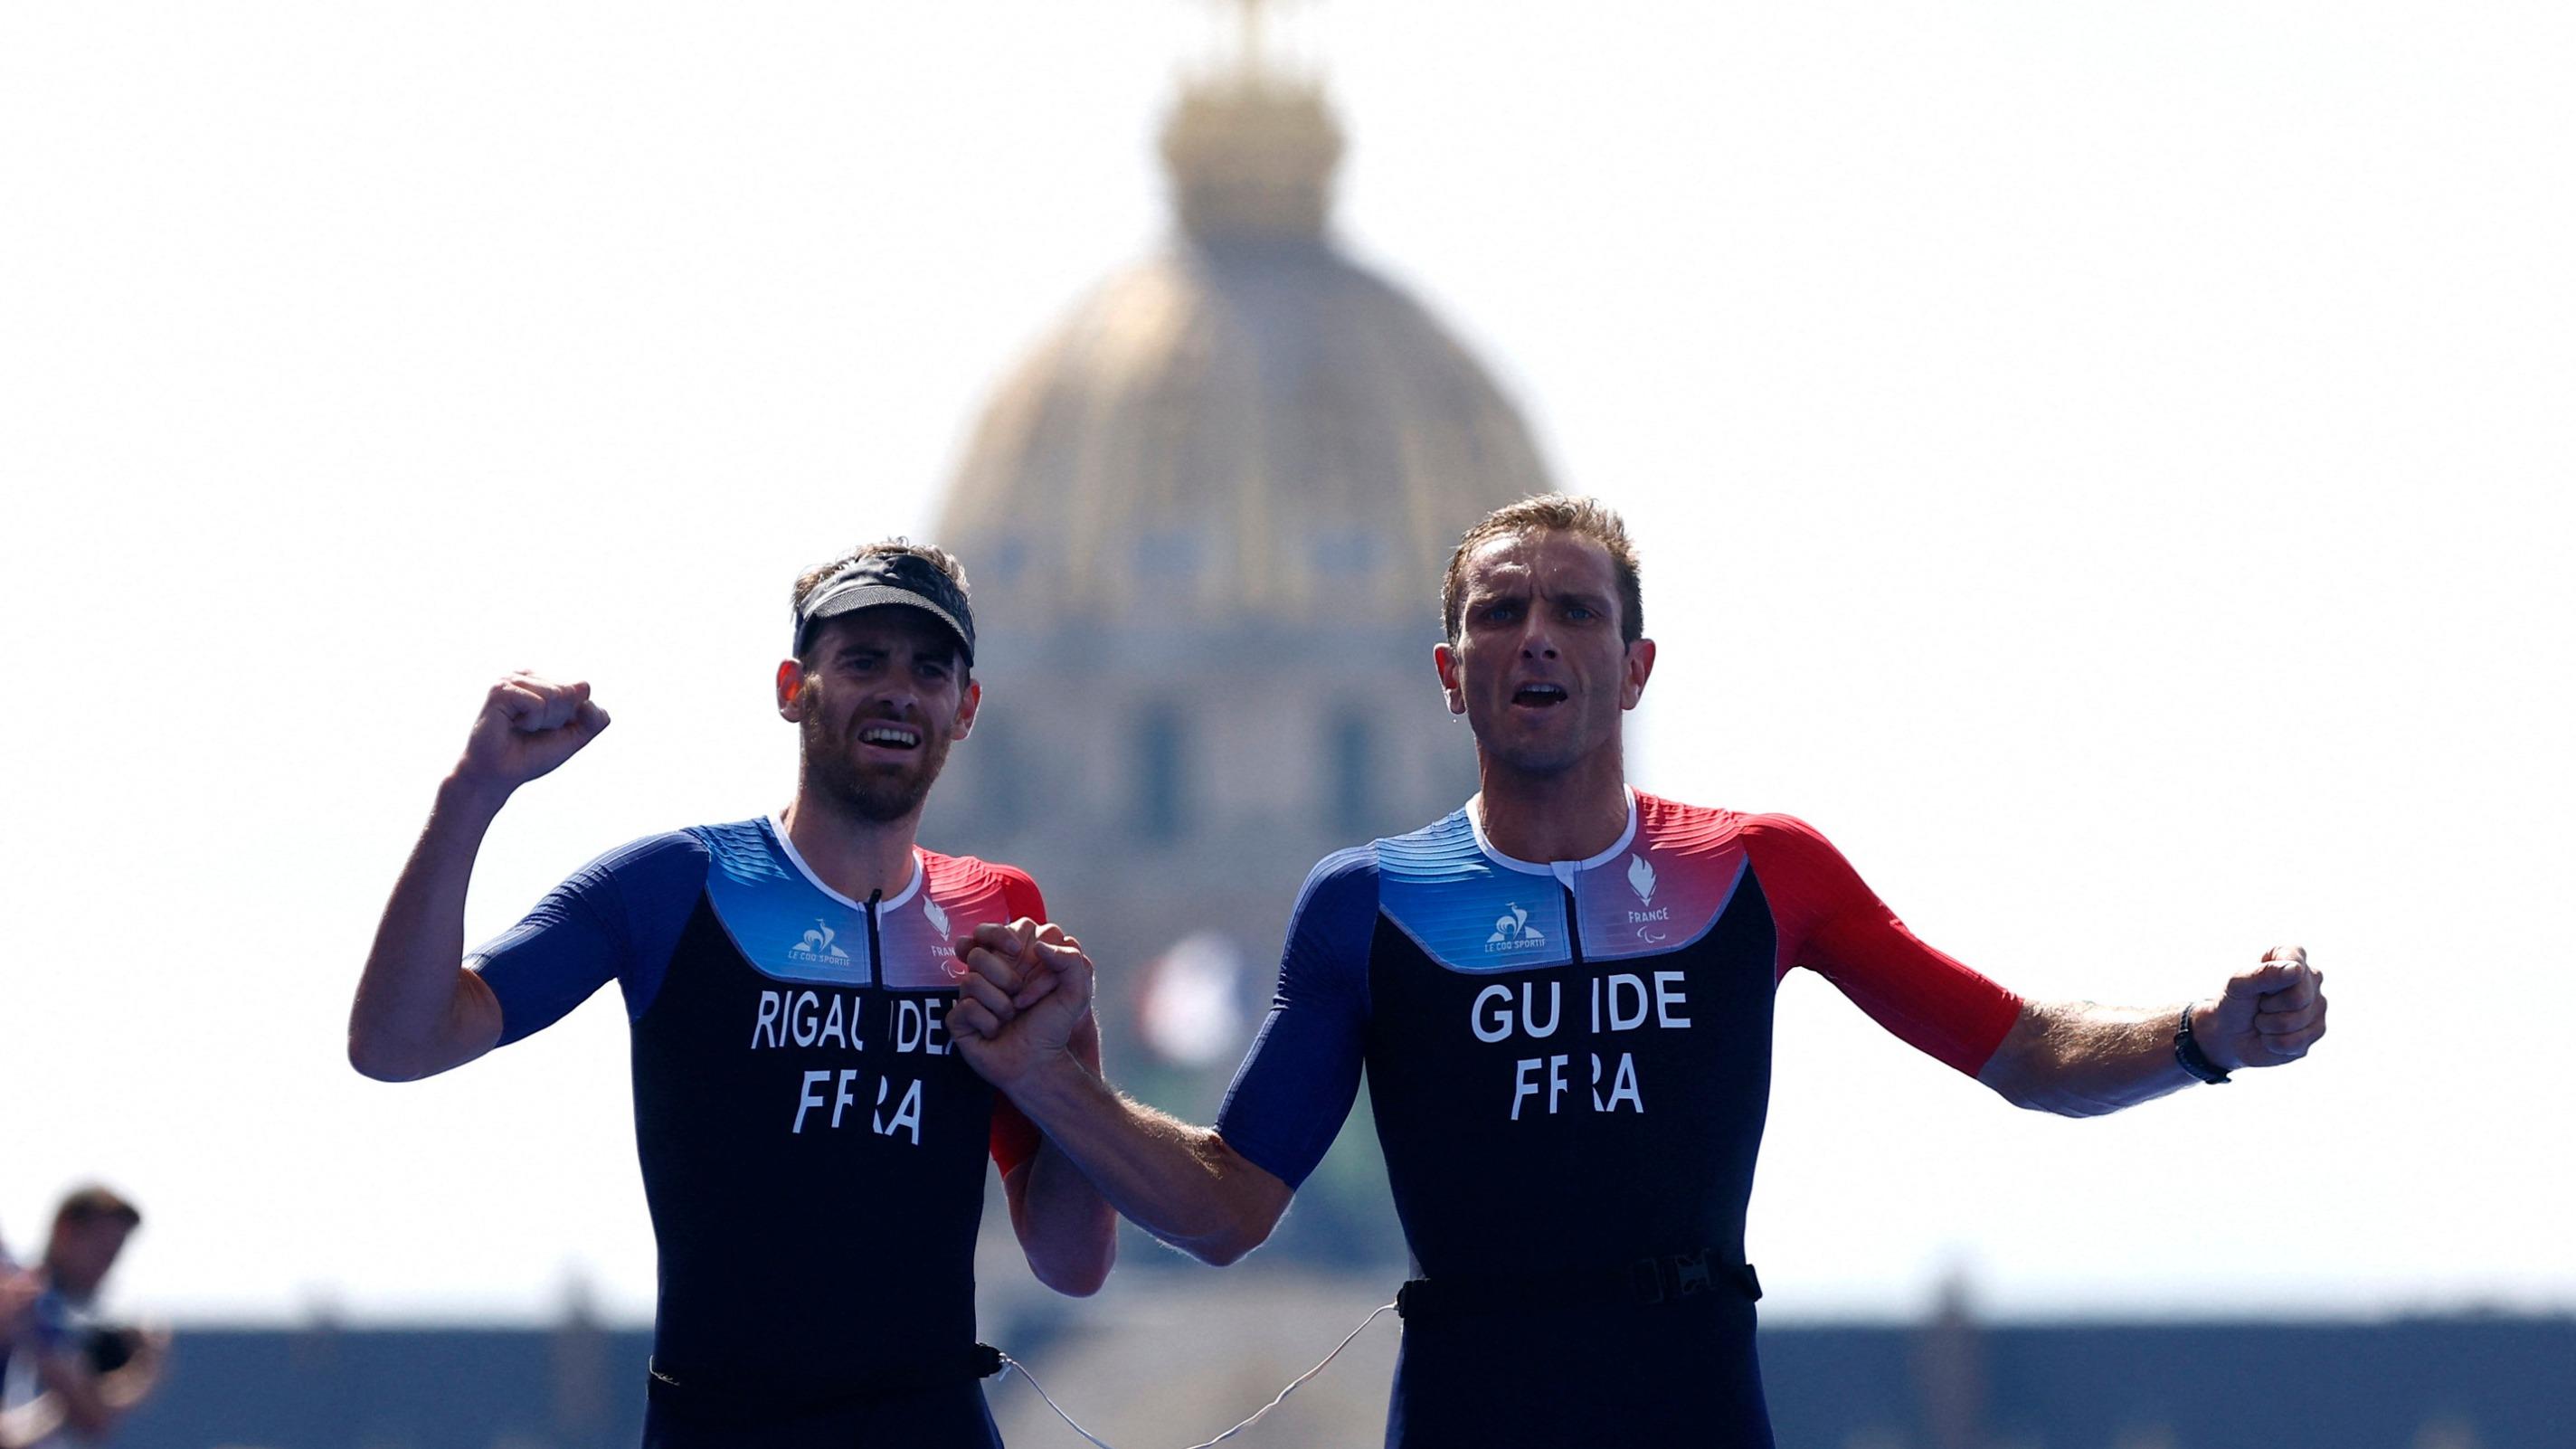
(920, 868)
(1564, 870)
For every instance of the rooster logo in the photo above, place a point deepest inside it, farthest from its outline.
(1513, 929)
(817, 945)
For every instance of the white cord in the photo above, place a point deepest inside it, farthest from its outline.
(1009, 1363)
(1012, 1363)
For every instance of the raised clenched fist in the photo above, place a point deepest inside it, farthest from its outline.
(527, 727)
(2268, 1015)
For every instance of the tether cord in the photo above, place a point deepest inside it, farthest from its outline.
(1010, 1363)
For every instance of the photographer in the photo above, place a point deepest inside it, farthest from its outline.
(65, 1367)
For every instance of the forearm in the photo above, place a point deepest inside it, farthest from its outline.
(1179, 1182)
(2083, 1059)
(1066, 1228)
(417, 1010)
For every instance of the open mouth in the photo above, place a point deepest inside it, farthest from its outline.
(1539, 695)
(891, 737)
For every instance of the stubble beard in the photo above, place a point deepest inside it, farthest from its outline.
(1540, 759)
(877, 794)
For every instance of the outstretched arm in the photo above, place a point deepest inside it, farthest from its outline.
(1014, 1022)
(418, 1011)
(2080, 1059)
(2076, 1058)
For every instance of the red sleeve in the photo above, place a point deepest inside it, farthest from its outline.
(1015, 1137)
(1831, 923)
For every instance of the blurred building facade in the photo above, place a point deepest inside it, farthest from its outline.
(1205, 520)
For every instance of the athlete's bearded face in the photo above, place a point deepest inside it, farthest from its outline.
(878, 699)
(1538, 667)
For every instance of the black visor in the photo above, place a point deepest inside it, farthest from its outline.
(890, 578)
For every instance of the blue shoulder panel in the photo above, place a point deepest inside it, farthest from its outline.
(1463, 910)
(785, 925)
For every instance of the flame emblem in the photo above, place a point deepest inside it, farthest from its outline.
(1641, 878)
(938, 917)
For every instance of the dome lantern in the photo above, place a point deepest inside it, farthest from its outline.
(1251, 156)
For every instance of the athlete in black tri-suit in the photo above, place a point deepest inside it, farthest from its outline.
(813, 1149)
(1561, 997)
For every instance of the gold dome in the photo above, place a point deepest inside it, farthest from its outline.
(1249, 428)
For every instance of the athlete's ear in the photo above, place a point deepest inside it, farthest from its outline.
(1633, 671)
(967, 703)
(1445, 660)
(791, 691)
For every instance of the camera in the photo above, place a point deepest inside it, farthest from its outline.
(109, 1348)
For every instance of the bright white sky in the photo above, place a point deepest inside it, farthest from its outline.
(2106, 464)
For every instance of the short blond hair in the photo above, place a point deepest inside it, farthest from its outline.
(1565, 513)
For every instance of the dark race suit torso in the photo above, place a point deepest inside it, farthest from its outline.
(1569, 1067)
(812, 1149)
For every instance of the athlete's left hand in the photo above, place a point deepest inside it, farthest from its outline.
(1026, 997)
(2267, 1016)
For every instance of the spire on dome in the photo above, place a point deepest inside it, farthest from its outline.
(1251, 150)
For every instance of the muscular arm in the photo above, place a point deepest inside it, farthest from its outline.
(2082, 1059)
(1187, 1185)
(418, 1011)
(1018, 1025)
(2074, 1058)
(1067, 1230)
(1181, 1183)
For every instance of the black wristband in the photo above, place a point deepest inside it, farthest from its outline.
(2193, 1059)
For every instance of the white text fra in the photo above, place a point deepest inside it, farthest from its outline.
(1536, 1076)
(832, 1090)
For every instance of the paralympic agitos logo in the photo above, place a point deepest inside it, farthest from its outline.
(1641, 879)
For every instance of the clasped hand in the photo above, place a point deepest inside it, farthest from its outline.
(1023, 996)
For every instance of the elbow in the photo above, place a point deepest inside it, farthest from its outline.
(1079, 1274)
(1246, 1210)
(368, 1060)
(1222, 1252)
(1232, 1243)
(1079, 1280)
(2016, 1079)
(377, 1059)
